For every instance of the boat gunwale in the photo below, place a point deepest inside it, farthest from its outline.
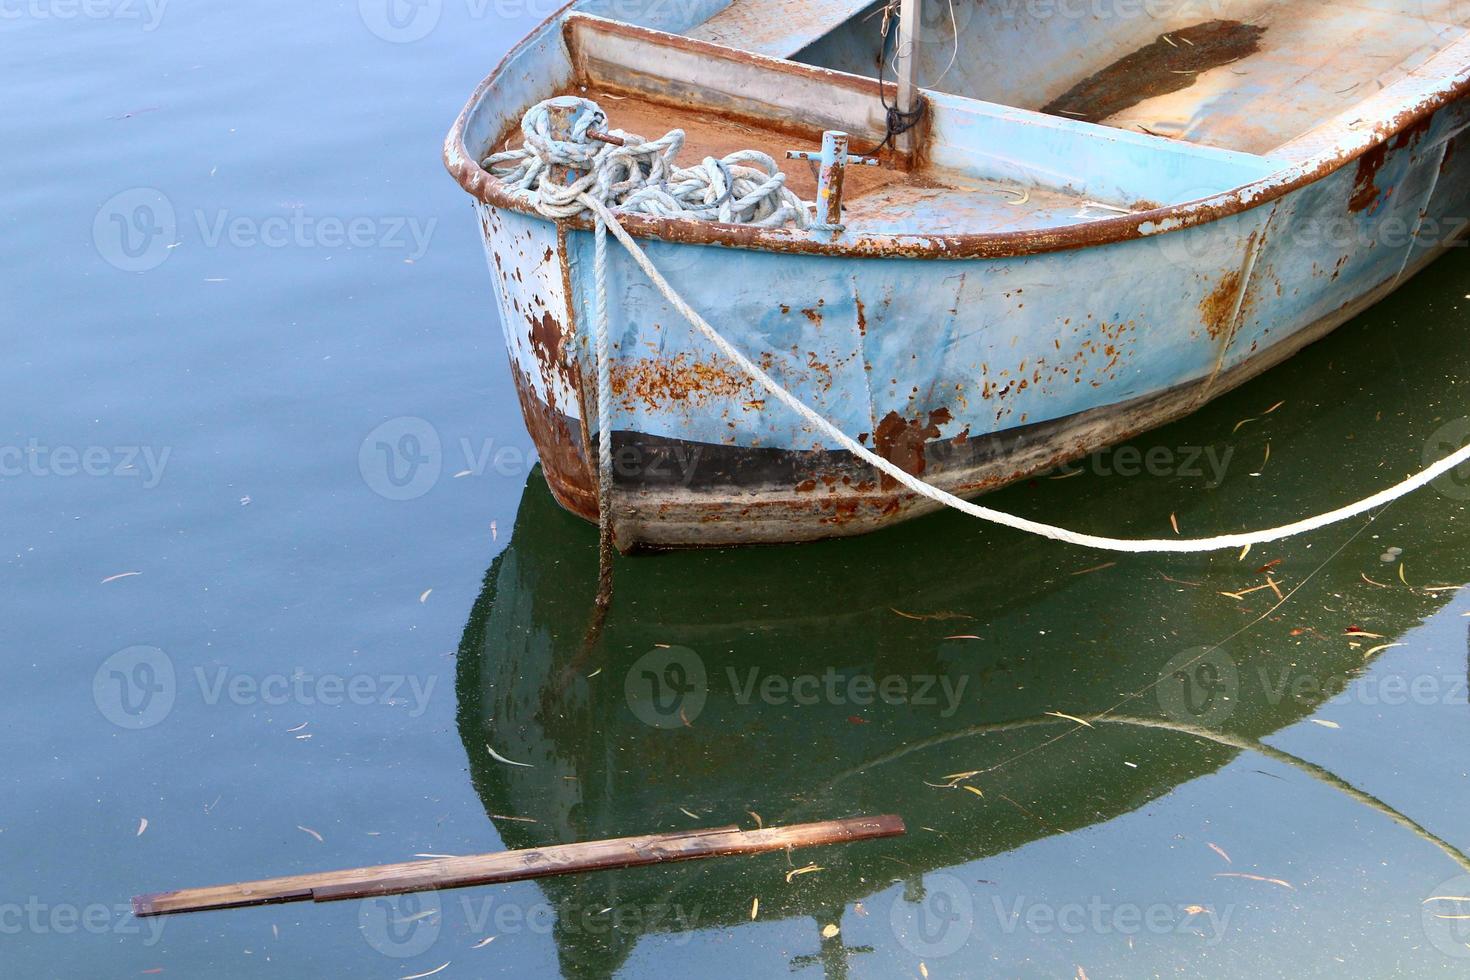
(465, 168)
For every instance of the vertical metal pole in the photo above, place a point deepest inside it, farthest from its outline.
(904, 65)
(830, 177)
(562, 114)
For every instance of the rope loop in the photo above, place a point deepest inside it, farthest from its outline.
(640, 176)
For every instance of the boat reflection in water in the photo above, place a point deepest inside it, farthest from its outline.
(849, 680)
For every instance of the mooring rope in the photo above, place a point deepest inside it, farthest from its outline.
(607, 220)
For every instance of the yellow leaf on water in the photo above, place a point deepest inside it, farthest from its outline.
(828, 931)
(424, 596)
(975, 790)
(1325, 724)
(755, 907)
(803, 871)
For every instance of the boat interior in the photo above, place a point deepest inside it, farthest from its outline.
(1038, 113)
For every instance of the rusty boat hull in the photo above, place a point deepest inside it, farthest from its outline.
(1023, 285)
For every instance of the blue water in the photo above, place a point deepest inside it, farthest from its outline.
(261, 468)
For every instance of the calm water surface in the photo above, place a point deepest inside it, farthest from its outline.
(279, 409)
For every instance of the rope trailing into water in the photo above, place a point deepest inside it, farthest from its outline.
(607, 221)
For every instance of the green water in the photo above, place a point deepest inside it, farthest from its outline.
(238, 644)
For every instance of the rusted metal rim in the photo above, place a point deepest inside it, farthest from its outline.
(465, 168)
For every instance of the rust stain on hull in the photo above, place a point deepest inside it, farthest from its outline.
(1169, 64)
(658, 381)
(568, 471)
(902, 442)
(1217, 309)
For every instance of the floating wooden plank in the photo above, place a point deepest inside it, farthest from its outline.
(503, 866)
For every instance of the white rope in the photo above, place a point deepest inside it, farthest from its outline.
(1183, 545)
(608, 221)
(640, 176)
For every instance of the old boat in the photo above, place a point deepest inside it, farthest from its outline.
(1088, 220)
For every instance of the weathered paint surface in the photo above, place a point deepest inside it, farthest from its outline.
(955, 340)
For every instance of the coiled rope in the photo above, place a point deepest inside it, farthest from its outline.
(594, 197)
